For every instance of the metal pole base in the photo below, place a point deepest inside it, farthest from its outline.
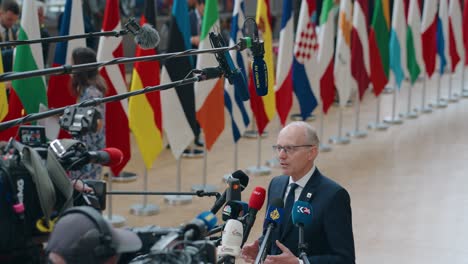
(258, 170)
(254, 134)
(298, 117)
(273, 163)
(204, 187)
(410, 115)
(465, 93)
(325, 148)
(115, 220)
(357, 134)
(124, 176)
(339, 140)
(426, 110)
(178, 199)
(393, 121)
(377, 126)
(442, 103)
(453, 98)
(144, 210)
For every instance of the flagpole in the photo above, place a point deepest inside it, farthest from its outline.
(425, 109)
(463, 91)
(440, 103)
(236, 159)
(394, 119)
(178, 199)
(410, 114)
(259, 170)
(204, 185)
(322, 146)
(114, 220)
(340, 139)
(144, 208)
(357, 133)
(452, 98)
(377, 126)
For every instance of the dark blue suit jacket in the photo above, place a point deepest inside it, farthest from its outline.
(329, 236)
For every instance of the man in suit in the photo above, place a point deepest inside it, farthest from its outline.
(196, 18)
(329, 236)
(9, 14)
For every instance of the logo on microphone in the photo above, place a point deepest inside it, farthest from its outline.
(275, 215)
(236, 233)
(303, 210)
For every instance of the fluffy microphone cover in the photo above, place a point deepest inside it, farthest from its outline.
(147, 37)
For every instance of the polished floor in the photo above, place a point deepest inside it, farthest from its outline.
(408, 185)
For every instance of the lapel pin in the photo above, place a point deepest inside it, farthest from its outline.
(309, 195)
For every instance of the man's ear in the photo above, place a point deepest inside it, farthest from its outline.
(313, 153)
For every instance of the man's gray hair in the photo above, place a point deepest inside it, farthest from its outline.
(310, 133)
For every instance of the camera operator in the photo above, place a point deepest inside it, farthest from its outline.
(82, 235)
(88, 85)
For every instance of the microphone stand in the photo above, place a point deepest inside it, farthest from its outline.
(262, 251)
(68, 69)
(302, 246)
(203, 75)
(129, 27)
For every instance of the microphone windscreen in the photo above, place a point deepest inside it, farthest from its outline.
(240, 86)
(115, 156)
(301, 213)
(242, 177)
(257, 198)
(275, 211)
(260, 77)
(231, 210)
(231, 240)
(208, 218)
(147, 37)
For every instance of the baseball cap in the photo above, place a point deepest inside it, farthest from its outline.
(76, 237)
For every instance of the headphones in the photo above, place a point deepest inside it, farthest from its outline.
(106, 247)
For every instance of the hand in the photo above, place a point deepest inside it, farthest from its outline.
(80, 186)
(287, 257)
(195, 40)
(250, 251)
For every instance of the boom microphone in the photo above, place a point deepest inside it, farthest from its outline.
(257, 198)
(244, 181)
(259, 66)
(145, 36)
(233, 74)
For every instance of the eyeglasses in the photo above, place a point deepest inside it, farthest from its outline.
(289, 149)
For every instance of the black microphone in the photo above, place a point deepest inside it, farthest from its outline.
(145, 36)
(244, 181)
(259, 66)
(233, 74)
(272, 220)
(257, 198)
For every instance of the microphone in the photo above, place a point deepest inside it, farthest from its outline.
(244, 181)
(107, 157)
(145, 36)
(233, 74)
(257, 198)
(259, 66)
(231, 241)
(272, 220)
(232, 210)
(302, 214)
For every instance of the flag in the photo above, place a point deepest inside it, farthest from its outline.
(144, 111)
(284, 82)
(29, 94)
(178, 105)
(465, 29)
(342, 71)
(325, 54)
(237, 109)
(428, 36)
(3, 95)
(209, 95)
(442, 36)
(264, 107)
(457, 50)
(413, 41)
(305, 77)
(378, 47)
(398, 60)
(58, 91)
(117, 130)
(360, 64)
